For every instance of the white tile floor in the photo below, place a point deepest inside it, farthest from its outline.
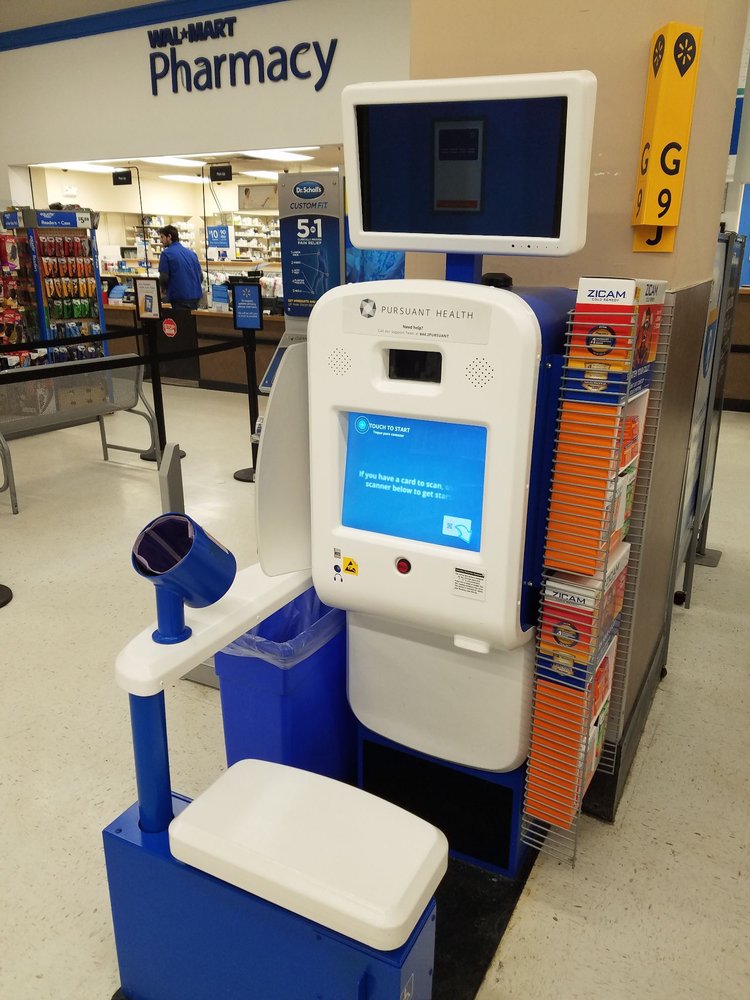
(658, 904)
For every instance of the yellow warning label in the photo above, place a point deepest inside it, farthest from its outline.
(350, 566)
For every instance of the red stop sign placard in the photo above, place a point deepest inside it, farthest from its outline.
(169, 327)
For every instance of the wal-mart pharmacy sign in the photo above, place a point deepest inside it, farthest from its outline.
(174, 69)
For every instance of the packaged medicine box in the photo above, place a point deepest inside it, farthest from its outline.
(579, 611)
(616, 327)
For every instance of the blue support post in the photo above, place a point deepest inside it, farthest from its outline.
(170, 618)
(149, 724)
(464, 267)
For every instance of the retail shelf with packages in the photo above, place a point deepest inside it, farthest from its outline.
(56, 253)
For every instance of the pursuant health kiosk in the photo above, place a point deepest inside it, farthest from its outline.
(421, 414)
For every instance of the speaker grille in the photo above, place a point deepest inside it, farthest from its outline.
(339, 362)
(480, 372)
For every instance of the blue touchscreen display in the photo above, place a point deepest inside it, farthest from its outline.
(417, 479)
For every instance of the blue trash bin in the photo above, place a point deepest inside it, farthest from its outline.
(283, 691)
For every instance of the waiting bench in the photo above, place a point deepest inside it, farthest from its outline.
(55, 400)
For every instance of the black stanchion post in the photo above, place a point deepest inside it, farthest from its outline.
(150, 326)
(247, 309)
(248, 339)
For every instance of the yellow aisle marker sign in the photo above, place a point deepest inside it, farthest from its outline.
(657, 239)
(667, 117)
(351, 567)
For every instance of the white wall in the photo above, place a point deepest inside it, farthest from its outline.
(104, 85)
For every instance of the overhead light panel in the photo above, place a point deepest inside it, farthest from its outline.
(183, 178)
(266, 175)
(172, 161)
(83, 167)
(282, 155)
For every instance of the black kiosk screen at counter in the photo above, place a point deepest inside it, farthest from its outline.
(486, 167)
(415, 366)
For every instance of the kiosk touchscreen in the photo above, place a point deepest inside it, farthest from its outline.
(422, 399)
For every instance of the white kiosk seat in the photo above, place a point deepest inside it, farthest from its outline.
(319, 848)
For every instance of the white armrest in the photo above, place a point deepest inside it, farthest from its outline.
(145, 666)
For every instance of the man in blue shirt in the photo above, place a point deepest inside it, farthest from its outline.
(180, 274)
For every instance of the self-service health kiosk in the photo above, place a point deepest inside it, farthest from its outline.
(403, 470)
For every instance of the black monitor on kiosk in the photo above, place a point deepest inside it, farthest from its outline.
(503, 163)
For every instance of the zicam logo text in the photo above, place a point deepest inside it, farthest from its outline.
(308, 190)
(602, 293)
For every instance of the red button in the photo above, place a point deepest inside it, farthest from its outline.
(403, 565)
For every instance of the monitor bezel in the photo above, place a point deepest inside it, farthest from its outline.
(578, 86)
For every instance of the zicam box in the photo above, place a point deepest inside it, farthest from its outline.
(579, 611)
(616, 326)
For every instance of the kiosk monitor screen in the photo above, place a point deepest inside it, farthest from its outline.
(480, 165)
(488, 167)
(416, 479)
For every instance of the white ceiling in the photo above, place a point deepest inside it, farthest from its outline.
(323, 158)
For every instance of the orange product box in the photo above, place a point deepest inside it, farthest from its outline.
(588, 517)
(553, 776)
(578, 611)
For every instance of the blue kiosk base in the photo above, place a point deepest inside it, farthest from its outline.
(184, 935)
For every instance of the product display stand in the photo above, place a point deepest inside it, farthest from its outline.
(6, 595)
(610, 402)
(59, 279)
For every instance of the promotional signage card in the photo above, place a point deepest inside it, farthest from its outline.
(147, 298)
(310, 222)
(247, 307)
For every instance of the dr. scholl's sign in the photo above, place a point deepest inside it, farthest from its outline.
(309, 223)
(173, 66)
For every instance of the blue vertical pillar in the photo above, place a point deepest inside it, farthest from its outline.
(464, 267)
(149, 724)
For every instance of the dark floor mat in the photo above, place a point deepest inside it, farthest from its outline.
(473, 910)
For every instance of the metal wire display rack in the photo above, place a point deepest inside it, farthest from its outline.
(610, 403)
